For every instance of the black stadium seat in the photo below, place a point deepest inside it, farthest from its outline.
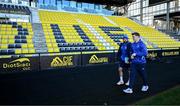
(3, 52)
(11, 52)
(6, 8)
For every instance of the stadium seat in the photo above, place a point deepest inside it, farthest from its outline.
(14, 9)
(16, 38)
(94, 32)
(157, 38)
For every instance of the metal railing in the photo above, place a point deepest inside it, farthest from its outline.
(79, 52)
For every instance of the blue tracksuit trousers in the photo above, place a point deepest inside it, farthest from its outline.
(140, 68)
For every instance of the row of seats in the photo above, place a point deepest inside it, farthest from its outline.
(157, 38)
(16, 51)
(68, 30)
(106, 40)
(16, 38)
(58, 39)
(115, 37)
(61, 27)
(14, 9)
(56, 17)
(93, 19)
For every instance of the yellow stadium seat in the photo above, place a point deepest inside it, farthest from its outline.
(50, 50)
(30, 45)
(25, 51)
(24, 46)
(18, 51)
(8, 33)
(56, 49)
(31, 50)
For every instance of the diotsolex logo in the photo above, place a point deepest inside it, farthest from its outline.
(64, 61)
(95, 59)
(23, 63)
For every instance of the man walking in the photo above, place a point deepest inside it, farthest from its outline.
(124, 59)
(138, 62)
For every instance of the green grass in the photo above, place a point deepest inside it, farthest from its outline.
(169, 97)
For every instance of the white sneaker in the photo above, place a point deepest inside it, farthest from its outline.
(120, 83)
(127, 83)
(145, 88)
(128, 90)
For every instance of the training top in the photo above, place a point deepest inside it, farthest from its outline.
(141, 52)
(124, 51)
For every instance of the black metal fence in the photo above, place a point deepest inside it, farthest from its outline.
(46, 61)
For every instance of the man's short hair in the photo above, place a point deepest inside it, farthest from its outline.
(136, 34)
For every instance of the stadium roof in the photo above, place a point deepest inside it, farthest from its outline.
(107, 2)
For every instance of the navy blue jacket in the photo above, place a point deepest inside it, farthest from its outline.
(124, 51)
(141, 52)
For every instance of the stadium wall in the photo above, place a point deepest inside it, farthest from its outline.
(43, 61)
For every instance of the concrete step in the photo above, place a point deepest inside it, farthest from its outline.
(39, 42)
(41, 51)
(39, 35)
(39, 38)
(41, 46)
(35, 18)
(109, 20)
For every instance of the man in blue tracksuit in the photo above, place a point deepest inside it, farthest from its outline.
(124, 56)
(138, 62)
